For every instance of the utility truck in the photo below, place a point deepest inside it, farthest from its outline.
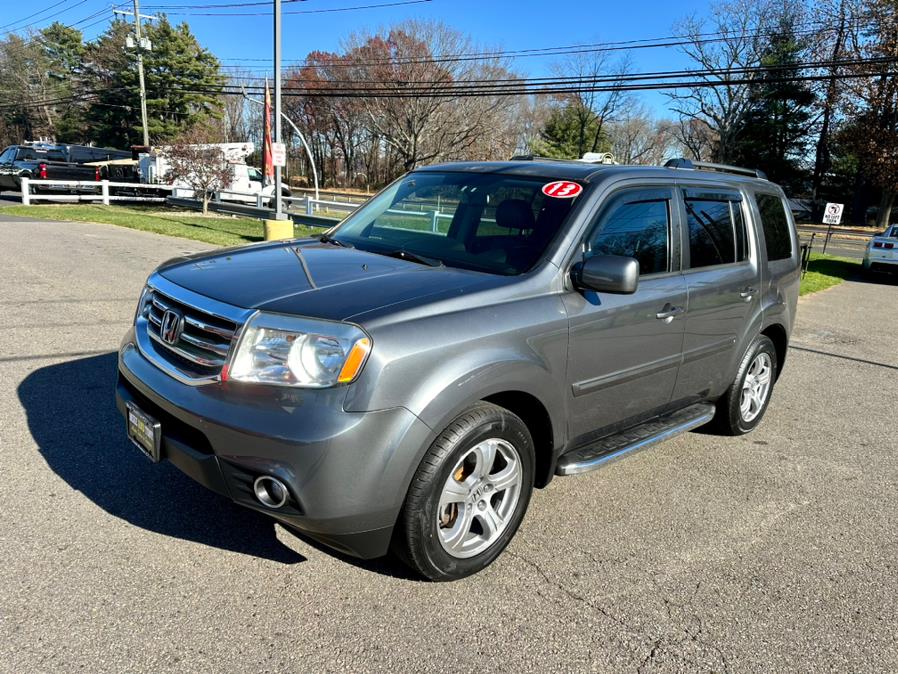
(247, 182)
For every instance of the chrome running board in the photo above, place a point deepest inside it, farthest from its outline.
(633, 439)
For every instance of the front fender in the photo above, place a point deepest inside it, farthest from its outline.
(462, 385)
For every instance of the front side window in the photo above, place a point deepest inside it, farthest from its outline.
(776, 227)
(635, 224)
(500, 224)
(716, 229)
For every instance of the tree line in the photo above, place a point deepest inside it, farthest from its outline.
(806, 90)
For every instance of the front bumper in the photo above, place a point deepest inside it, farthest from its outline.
(347, 472)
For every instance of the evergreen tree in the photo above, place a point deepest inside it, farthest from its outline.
(182, 80)
(570, 132)
(775, 132)
(63, 49)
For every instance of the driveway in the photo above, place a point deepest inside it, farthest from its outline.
(771, 552)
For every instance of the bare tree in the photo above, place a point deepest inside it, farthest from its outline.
(424, 125)
(696, 138)
(874, 104)
(720, 62)
(201, 166)
(592, 110)
(637, 138)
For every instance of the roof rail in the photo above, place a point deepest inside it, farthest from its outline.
(535, 157)
(681, 163)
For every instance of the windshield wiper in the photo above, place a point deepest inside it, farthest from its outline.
(327, 238)
(413, 257)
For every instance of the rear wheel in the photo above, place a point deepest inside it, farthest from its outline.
(468, 496)
(743, 406)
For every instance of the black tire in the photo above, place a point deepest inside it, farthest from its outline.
(729, 419)
(416, 538)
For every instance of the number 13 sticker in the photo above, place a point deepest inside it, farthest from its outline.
(562, 189)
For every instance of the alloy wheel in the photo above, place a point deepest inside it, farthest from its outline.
(479, 498)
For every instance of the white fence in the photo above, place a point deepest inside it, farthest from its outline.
(105, 195)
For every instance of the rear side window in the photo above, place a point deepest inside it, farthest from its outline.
(716, 229)
(776, 227)
(635, 224)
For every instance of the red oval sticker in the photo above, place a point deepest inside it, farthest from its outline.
(562, 189)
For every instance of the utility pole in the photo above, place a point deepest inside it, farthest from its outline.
(140, 45)
(278, 205)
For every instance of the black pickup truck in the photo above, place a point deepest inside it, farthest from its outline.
(53, 162)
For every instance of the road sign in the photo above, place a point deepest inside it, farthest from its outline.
(279, 154)
(833, 214)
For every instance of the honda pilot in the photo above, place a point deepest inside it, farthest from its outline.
(405, 381)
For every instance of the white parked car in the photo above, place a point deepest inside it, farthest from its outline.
(882, 251)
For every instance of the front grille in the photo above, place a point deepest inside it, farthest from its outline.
(193, 340)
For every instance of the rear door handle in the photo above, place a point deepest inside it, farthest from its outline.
(669, 312)
(747, 294)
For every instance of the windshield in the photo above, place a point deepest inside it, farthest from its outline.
(487, 222)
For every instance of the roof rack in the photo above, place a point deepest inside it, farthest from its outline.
(681, 163)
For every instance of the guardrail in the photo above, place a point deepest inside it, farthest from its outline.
(105, 195)
(248, 210)
(334, 195)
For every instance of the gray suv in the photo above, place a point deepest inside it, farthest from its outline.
(405, 381)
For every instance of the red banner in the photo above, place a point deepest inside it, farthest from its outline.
(267, 162)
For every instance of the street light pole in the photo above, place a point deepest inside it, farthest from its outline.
(143, 86)
(278, 206)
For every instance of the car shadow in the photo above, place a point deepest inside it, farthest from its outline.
(881, 278)
(73, 419)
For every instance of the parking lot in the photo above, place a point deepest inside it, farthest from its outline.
(774, 551)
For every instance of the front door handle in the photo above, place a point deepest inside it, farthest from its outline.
(669, 312)
(747, 294)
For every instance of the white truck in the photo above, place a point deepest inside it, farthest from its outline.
(247, 182)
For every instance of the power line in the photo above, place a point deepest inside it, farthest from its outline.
(570, 50)
(638, 82)
(397, 3)
(46, 9)
(220, 5)
(46, 18)
(427, 86)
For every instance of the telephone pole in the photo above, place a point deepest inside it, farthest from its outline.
(278, 209)
(140, 44)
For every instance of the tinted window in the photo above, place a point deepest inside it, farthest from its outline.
(635, 226)
(716, 231)
(776, 227)
(27, 154)
(7, 154)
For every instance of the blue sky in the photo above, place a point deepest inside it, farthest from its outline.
(503, 24)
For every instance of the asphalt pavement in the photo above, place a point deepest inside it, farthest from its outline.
(776, 551)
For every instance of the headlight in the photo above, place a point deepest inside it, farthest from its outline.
(291, 351)
(141, 303)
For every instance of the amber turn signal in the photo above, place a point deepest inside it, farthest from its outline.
(358, 354)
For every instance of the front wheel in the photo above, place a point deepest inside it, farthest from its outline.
(468, 496)
(743, 406)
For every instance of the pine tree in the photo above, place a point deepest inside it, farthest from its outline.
(774, 135)
(182, 80)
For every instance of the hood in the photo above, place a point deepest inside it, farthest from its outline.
(320, 280)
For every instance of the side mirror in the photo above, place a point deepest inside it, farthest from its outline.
(607, 274)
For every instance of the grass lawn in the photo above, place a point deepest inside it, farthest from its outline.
(217, 229)
(826, 271)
